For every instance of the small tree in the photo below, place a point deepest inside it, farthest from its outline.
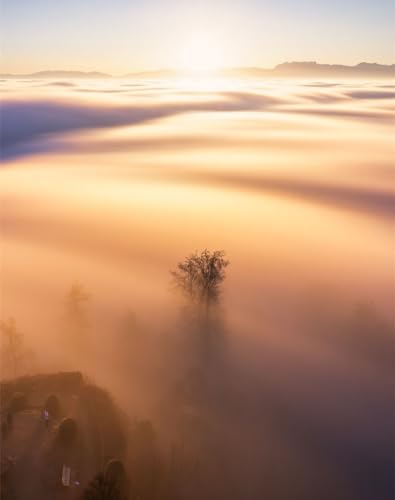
(102, 488)
(199, 278)
(52, 404)
(67, 431)
(115, 471)
(12, 344)
(200, 275)
(77, 300)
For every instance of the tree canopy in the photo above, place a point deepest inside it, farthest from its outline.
(12, 344)
(200, 275)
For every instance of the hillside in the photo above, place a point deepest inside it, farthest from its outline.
(36, 452)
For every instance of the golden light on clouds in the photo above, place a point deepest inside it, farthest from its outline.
(110, 182)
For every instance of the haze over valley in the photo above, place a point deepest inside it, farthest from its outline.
(284, 388)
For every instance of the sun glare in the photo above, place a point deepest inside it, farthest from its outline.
(201, 54)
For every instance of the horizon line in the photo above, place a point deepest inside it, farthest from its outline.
(203, 71)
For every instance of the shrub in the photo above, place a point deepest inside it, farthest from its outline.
(53, 406)
(101, 488)
(115, 470)
(67, 431)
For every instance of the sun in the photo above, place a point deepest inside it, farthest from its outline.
(201, 54)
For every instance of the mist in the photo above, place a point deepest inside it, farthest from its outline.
(106, 186)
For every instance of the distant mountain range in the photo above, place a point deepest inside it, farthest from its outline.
(58, 74)
(308, 69)
(313, 69)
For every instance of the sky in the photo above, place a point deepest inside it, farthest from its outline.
(118, 36)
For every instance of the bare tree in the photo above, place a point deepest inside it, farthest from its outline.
(200, 275)
(12, 344)
(77, 300)
(199, 278)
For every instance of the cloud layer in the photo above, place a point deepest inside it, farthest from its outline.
(294, 182)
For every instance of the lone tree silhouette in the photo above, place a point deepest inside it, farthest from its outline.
(102, 488)
(52, 404)
(77, 300)
(199, 278)
(67, 431)
(200, 275)
(12, 344)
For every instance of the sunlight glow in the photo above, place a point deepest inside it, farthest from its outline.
(201, 53)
